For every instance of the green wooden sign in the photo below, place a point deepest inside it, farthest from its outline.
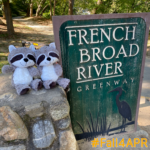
(103, 59)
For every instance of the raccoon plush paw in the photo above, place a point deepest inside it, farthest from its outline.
(7, 69)
(49, 84)
(22, 89)
(36, 84)
(67, 89)
(40, 85)
(64, 82)
(52, 85)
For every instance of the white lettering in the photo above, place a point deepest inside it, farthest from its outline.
(79, 89)
(85, 54)
(107, 36)
(114, 32)
(82, 37)
(96, 54)
(101, 85)
(122, 51)
(87, 87)
(108, 67)
(92, 34)
(89, 72)
(94, 86)
(116, 82)
(98, 72)
(137, 51)
(81, 73)
(70, 36)
(108, 83)
(112, 54)
(133, 31)
(125, 81)
(132, 79)
(118, 67)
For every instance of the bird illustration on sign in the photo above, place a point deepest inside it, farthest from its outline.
(123, 107)
(101, 126)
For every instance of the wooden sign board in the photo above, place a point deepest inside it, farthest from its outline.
(103, 56)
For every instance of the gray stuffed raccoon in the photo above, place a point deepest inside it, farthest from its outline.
(21, 62)
(46, 59)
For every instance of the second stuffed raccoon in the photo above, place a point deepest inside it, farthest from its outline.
(46, 59)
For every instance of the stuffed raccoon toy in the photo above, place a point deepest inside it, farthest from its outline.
(46, 59)
(21, 62)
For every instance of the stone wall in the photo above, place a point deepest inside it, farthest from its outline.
(38, 120)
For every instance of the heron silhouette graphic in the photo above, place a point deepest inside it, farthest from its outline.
(123, 107)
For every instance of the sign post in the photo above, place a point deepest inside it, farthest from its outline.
(103, 56)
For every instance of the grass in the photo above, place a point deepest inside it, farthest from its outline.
(16, 25)
(2, 63)
(3, 60)
(3, 35)
(95, 128)
(3, 54)
(99, 127)
(26, 27)
(22, 26)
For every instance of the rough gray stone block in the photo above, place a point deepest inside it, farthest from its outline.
(67, 140)
(43, 134)
(12, 127)
(59, 110)
(35, 110)
(64, 123)
(16, 147)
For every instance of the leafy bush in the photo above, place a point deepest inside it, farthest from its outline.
(14, 10)
(46, 15)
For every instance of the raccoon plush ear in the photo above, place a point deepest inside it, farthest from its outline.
(52, 45)
(32, 48)
(11, 48)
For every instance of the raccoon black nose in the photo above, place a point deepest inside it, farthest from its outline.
(48, 58)
(26, 60)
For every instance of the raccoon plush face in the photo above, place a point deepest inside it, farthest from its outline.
(21, 57)
(47, 55)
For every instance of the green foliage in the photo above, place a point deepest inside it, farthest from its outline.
(21, 7)
(1, 8)
(62, 7)
(1, 14)
(114, 6)
(46, 15)
(131, 6)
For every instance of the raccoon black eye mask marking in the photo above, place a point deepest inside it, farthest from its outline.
(16, 58)
(31, 57)
(40, 59)
(54, 55)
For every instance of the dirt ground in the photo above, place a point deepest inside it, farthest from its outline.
(41, 21)
(24, 33)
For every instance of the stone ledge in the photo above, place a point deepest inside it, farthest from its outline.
(44, 114)
(8, 96)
